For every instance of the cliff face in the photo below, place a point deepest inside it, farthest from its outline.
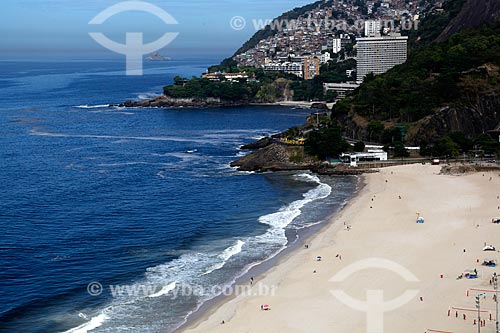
(477, 113)
(473, 14)
(473, 120)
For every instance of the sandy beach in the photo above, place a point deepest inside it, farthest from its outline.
(391, 253)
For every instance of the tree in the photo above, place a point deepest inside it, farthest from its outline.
(400, 150)
(487, 144)
(326, 142)
(359, 146)
(465, 144)
(375, 129)
(445, 147)
(330, 96)
(392, 135)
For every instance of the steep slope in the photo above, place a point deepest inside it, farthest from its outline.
(473, 14)
(443, 87)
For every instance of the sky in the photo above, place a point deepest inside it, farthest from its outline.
(54, 28)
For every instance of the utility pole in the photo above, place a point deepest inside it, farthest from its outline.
(495, 284)
(478, 307)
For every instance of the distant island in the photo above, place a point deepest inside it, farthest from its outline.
(155, 56)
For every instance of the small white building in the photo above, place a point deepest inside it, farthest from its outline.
(342, 89)
(369, 156)
(325, 57)
(337, 45)
(372, 28)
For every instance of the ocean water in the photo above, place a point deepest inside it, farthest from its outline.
(141, 201)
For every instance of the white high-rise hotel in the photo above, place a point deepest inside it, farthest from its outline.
(379, 54)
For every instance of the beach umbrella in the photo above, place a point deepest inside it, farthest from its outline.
(318, 257)
(265, 307)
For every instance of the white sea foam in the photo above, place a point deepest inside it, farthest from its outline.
(193, 268)
(288, 213)
(148, 95)
(92, 324)
(115, 137)
(85, 106)
(128, 164)
(226, 255)
(244, 172)
(241, 154)
(164, 291)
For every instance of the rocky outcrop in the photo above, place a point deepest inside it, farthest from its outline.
(319, 106)
(475, 113)
(279, 157)
(262, 143)
(473, 120)
(467, 168)
(473, 14)
(168, 102)
(275, 157)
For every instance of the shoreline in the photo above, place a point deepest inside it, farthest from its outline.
(162, 101)
(259, 270)
(302, 302)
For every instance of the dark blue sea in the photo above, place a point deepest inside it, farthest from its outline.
(138, 199)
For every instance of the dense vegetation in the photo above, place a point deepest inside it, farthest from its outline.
(433, 76)
(326, 143)
(456, 72)
(312, 90)
(263, 86)
(204, 88)
(456, 144)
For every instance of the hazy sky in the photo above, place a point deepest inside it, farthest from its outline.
(43, 28)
